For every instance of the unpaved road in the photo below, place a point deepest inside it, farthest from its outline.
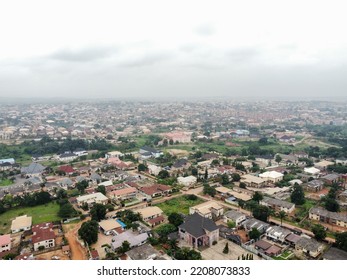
(71, 233)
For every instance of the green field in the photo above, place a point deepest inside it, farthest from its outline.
(40, 214)
(178, 205)
(5, 182)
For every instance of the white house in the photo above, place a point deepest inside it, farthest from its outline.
(234, 216)
(21, 223)
(272, 176)
(5, 243)
(187, 181)
(43, 236)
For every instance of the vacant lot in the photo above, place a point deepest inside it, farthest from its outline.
(40, 214)
(5, 182)
(178, 204)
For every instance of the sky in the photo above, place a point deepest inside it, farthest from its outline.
(158, 50)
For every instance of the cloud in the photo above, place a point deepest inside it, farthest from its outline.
(146, 59)
(84, 55)
(205, 29)
(243, 54)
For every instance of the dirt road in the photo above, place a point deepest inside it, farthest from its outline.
(71, 233)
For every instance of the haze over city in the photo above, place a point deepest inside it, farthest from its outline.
(172, 50)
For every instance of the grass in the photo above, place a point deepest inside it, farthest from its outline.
(40, 214)
(5, 182)
(178, 205)
(284, 256)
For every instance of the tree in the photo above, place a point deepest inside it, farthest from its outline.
(257, 196)
(231, 224)
(164, 230)
(187, 254)
(278, 158)
(98, 212)
(319, 232)
(282, 215)
(254, 234)
(242, 185)
(66, 211)
(225, 179)
(125, 247)
(331, 204)
(236, 177)
(175, 219)
(163, 174)
(89, 232)
(101, 189)
(194, 171)
(211, 191)
(341, 241)
(226, 248)
(298, 195)
(2, 208)
(141, 167)
(81, 186)
(61, 193)
(206, 175)
(261, 212)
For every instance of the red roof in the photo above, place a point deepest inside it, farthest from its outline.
(66, 169)
(42, 232)
(94, 254)
(157, 188)
(156, 220)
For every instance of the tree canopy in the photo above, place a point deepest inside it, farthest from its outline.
(89, 232)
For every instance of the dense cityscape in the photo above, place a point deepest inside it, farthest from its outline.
(222, 180)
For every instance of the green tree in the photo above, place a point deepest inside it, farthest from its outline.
(125, 247)
(282, 215)
(175, 219)
(242, 185)
(236, 177)
(319, 232)
(2, 208)
(278, 158)
(298, 195)
(331, 204)
(254, 234)
(257, 196)
(341, 241)
(66, 211)
(261, 212)
(101, 189)
(163, 174)
(187, 254)
(194, 172)
(89, 232)
(81, 186)
(98, 212)
(226, 248)
(206, 175)
(225, 179)
(61, 193)
(211, 191)
(142, 167)
(231, 224)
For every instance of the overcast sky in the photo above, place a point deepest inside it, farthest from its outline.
(173, 49)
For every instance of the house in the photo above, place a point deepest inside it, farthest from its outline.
(43, 236)
(21, 223)
(277, 204)
(323, 165)
(253, 181)
(198, 231)
(277, 234)
(67, 169)
(274, 250)
(66, 250)
(295, 181)
(143, 252)
(110, 226)
(254, 223)
(287, 139)
(154, 169)
(133, 238)
(181, 164)
(156, 190)
(289, 159)
(292, 239)
(234, 216)
(208, 209)
(179, 136)
(271, 176)
(67, 157)
(309, 246)
(94, 255)
(343, 196)
(149, 152)
(152, 215)
(113, 154)
(335, 254)
(342, 161)
(331, 178)
(325, 216)
(8, 160)
(33, 170)
(66, 183)
(91, 199)
(311, 171)
(313, 186)
(123, 194)
(5, 243)
(80, 152)
(187, 181)
(262, 245)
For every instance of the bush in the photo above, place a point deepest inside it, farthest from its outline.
(214, 242)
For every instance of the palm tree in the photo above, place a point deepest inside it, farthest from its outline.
(282, 215)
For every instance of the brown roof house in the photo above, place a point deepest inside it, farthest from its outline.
(198, 231)
(152, 215)
(43, 236)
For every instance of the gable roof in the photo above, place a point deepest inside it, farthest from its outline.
(33, 168)
(42, 232)
(197, 225)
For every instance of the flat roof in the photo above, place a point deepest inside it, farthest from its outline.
(110, 224)
(21, 222)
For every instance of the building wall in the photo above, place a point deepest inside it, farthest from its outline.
(5, 248)
(47, 244)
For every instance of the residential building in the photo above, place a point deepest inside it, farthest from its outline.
(309, 246)
(271, 176)
(253, 181)
(33, 170)
(143, 252)
(179, 136)
(208, 209)
(154, 169)
(91, 199)
(123, 194)
(133, 238)
(21, 223)
(251, 223)
(110, 226)
(277, 233)
(331, 178)
(198, 231)
(149, 152)
(43, 236)
(312, 171)
(156, 190)
(323, 165)
(278, 205)
(187, 181)
(325, 216)
(152, 215)
(5, 243)
(67, 157)
(335, 254)
(234, 216)
(113, 154)
(313, 186)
